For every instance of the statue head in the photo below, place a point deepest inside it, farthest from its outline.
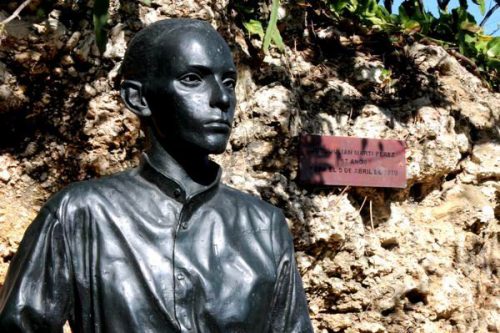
(179, 78)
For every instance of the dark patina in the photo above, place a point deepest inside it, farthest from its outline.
(164, 247)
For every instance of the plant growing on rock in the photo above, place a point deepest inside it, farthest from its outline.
(456, 30)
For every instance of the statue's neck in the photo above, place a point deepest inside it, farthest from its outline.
(193, 162)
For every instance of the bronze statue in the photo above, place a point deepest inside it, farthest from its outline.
(164, 247)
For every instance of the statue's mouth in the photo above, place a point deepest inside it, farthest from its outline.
(218, 125)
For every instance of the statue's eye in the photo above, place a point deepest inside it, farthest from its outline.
(190, 79)
(230, 83)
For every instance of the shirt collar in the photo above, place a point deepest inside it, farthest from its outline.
(163, 170)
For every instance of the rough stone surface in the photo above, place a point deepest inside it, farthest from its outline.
(421, 259)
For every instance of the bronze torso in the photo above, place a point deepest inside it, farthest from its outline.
(134, 252)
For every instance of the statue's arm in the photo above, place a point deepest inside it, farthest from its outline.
(290, 313)
(37, 292)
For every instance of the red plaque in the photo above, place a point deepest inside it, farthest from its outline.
(336, 160)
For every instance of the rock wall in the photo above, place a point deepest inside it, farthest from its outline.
(421, 259)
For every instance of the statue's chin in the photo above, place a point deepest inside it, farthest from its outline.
(213, 144)
(218, 151)
(192, 144)
(213, 148)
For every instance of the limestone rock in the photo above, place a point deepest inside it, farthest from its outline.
(4, 176)
(116, 46)
(375, 122)
(443, 298)
(481, 116)
(434, 149)
(483, 164)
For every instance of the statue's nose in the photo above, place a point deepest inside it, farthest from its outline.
(220, 96)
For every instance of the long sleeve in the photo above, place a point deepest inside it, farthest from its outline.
(37, 293)
(289, 309)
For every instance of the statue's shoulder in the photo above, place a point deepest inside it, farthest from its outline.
(265, 222)
(93, 192)
(243, 199)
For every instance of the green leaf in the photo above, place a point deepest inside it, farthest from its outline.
(470, 26)
(403, 15)
(374, 20)
(272, 32)
(411, 25)
(254, 27)
(481, 4)
(338, 6)
(493, 48)
(480, 44)
(372, 13)
(470, 39)
(460, 38)
(100, 19)
(386, 73)
(463, 15)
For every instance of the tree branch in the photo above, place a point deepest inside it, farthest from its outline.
(16, 12)
(489, 13)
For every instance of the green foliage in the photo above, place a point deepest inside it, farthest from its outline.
(272, 32)
(100, 18)
(481, 4)
(367, 11)
(413, 18)
(255, 27)
(456, 29)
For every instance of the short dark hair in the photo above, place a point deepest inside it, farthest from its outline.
(141, 59)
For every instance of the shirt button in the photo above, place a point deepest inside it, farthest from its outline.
(177, 192)
(184, 225)
(180, 277)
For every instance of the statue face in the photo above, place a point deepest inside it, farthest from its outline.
(192, 99)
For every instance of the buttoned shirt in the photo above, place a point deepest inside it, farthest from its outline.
(149, 250)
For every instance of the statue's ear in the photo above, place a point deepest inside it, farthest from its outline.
(131, 93)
